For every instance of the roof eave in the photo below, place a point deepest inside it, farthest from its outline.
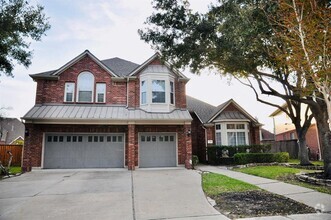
(35, 77)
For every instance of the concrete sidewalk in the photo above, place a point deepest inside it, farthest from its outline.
(306, 196)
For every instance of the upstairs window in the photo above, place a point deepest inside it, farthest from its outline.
(172, 97)
(69, 92)
(143, 92)
(100, 92)
(85, 87)
(158, 91)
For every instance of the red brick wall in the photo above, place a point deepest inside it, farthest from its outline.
(254, 135)
(198, 138)
(211, 134)
(51, 91)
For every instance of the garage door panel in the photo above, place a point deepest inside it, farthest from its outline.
(157, 150)
(84, 151)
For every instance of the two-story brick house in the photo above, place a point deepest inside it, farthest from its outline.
(111, 113)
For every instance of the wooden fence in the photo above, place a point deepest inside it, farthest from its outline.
(16, 150)
(290, 146)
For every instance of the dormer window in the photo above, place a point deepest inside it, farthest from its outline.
(85, 85)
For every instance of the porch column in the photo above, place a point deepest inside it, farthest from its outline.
(188, 148)
(131, 146)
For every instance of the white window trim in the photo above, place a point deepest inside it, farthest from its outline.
(224, 131)
(97, 93)
(65, 91)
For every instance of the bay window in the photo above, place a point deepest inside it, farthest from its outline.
(143, 92)
(232, 134)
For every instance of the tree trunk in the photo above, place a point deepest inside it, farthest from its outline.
(303, 151)
(325, 141)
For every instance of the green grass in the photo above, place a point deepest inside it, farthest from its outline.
(285, 174)
(271, 172)
(215, 184)
(15, 170)
(296, 161)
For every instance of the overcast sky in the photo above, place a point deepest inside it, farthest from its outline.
(108, 28)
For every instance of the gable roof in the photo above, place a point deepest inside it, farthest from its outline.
(151, 59)
(115, 66)
(208, 113)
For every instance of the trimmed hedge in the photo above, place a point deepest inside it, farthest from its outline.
(215, 152)
(245, 158)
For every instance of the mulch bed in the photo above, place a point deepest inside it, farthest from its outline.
(257, 203)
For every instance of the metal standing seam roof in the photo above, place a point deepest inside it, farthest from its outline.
(117, 113)
(228, 115)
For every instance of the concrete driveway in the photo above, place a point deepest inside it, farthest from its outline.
(105, 194)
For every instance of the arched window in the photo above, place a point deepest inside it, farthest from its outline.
(85, 87)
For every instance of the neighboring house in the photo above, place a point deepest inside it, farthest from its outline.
(267, 136)
(93, 113)
(11, 131)
(227, 124)
(285, 130)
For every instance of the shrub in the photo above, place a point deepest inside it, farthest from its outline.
(215, 152)
(244, 158)
(195, 160)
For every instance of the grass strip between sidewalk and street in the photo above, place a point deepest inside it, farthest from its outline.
(214, 184)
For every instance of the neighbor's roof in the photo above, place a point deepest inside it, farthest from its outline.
(202, 109)
(101, 114)
(11, 129)
(208, 113)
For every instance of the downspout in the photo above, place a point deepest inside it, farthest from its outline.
(206, 144)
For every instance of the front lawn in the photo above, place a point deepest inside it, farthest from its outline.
(237, 199)
(285, 174)
(296, 161)
(214, 184)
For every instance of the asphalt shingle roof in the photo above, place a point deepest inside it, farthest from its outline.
(202, 109)
(119, 66)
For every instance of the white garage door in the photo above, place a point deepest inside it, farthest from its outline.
(157, 150)
(84, 150)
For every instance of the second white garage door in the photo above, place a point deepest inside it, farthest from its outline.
(157, 150)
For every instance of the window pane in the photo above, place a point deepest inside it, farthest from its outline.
(120, 138)
(108, 138)
(74, 138)
(61, 139)
(230, 126)
(90, 138)
(85, 96)
(69, 92)
(101, 138)
(232, 138)
(143, 98)
(241, 138)
(95, 138)
(240, 126)
(153, 138)
(218, 138)
(172, 138)
(158, 91)
(218, 127)
(101, 91)
(172, 99)
(55, 139)
(142, 138)
(80, 138)
(85, 87)
(49, 139)
(68, 138)
(114, 139)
